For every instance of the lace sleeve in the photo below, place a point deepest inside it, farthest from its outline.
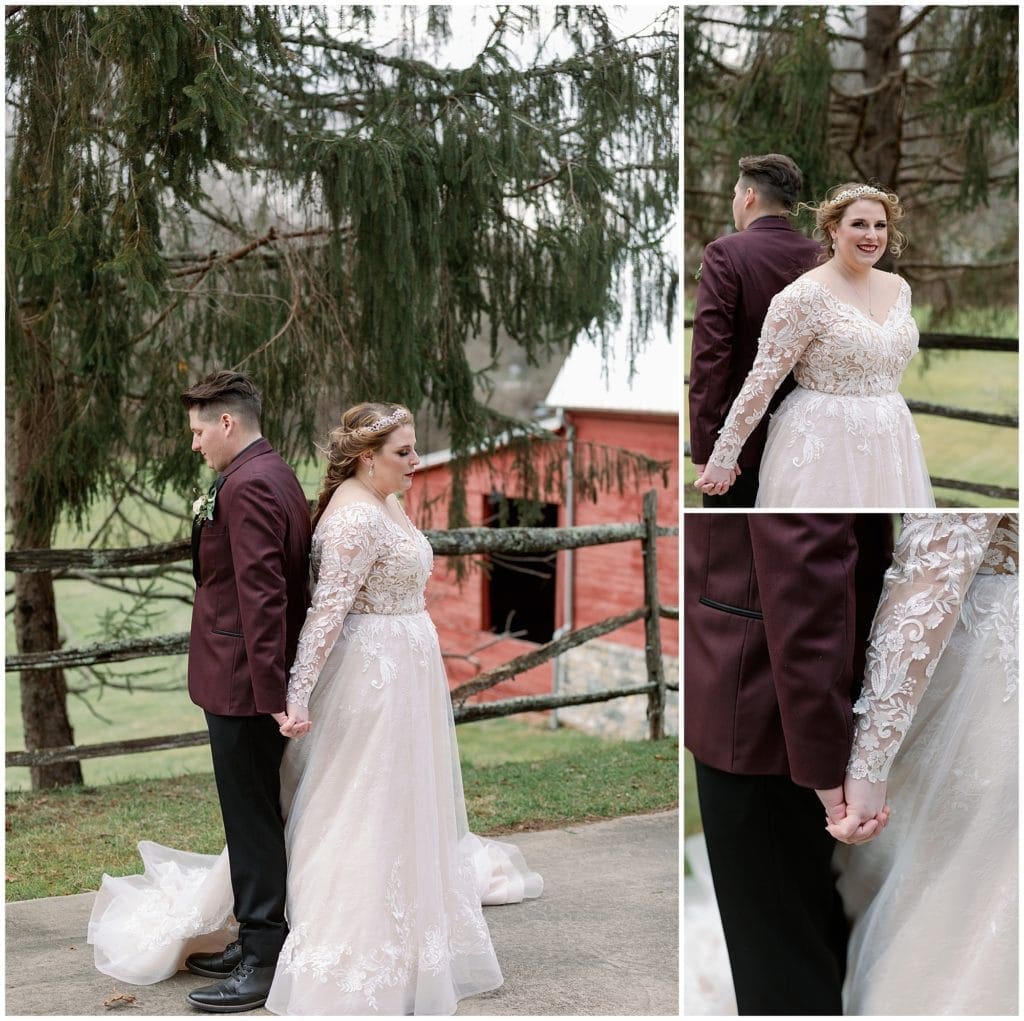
(349, 544)
(934, 563)
(784, 336)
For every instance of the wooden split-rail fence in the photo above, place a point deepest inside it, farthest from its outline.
(456, 542)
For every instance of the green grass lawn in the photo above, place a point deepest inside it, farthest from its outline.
(978, 380)
(112, 713)
(516, 776)
(691, 810)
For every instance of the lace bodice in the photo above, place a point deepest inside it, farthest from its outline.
(363, 562)
(934, 564)
(830, 347)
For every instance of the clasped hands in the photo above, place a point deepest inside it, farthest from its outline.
(294, 722)
(715, 481)
(856, 812)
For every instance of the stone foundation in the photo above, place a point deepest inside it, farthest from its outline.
(597, 666)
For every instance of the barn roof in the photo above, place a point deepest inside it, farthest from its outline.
(654, 388)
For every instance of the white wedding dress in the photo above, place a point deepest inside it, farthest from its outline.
(934, 898)
(385, 881)
(844, 436)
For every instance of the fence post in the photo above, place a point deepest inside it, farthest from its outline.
(652, 622)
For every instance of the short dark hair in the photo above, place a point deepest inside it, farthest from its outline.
(225, 390)
(776, 178)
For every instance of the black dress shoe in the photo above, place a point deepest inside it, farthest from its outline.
(246, 988)
(218, 965)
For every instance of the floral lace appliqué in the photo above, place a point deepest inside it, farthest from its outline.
(394, 961)
(925, 594)
(364, 563)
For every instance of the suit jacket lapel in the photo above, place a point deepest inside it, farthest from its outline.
(197, 529)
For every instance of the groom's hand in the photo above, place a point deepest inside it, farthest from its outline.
(843, 822)
(835, 803)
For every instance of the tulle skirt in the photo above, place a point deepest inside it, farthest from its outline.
(934, 898)
(143, 927)
(828, 450)
(385, 881)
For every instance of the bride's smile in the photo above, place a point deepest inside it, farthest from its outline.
(861, 235)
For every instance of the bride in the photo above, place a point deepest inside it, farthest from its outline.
(844, 436)
(385, 882)
(934, 899)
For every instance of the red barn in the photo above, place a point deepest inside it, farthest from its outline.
(541, 596)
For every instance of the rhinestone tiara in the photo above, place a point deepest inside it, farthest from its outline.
(396, 416)
(859, 192)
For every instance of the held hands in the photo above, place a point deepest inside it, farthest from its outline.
(714, 481)
(295, 722)
(854, 815)
(865, 799)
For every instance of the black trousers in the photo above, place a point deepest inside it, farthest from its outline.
(742, 493)
(247, 753)
(771, 861)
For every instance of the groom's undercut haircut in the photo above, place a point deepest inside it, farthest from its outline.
(225, 391)
(776, 178)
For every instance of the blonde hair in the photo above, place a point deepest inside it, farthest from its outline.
(364, 428)
(829, 212)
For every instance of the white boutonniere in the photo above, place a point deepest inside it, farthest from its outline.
(202, 507)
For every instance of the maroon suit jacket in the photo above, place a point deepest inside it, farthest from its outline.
(740, 274)
(254, 587)
(778, 609)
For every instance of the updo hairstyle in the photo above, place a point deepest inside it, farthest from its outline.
(830, 211)
(364, 428)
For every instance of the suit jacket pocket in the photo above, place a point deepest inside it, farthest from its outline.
(727, 582)
(228, 634)
(739, 611)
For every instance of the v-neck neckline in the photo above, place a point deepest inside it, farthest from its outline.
(408, 529)
(869, 318)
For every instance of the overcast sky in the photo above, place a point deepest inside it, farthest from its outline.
(471, 24)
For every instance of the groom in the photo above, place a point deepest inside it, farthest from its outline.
(778, 610)
(250, 553)
(739, 276)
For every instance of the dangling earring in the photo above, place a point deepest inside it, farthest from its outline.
(371, 469)
(833, 244)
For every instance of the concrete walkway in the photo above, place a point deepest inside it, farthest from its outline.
(603, 938)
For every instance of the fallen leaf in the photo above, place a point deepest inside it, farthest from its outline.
(120, 1000)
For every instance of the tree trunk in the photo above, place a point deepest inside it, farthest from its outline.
(44, 694)
(883, 113)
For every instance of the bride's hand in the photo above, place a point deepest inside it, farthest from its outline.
(715, 481)
(294, 722)
(298, 717)
(865, 798)
(867, 814)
